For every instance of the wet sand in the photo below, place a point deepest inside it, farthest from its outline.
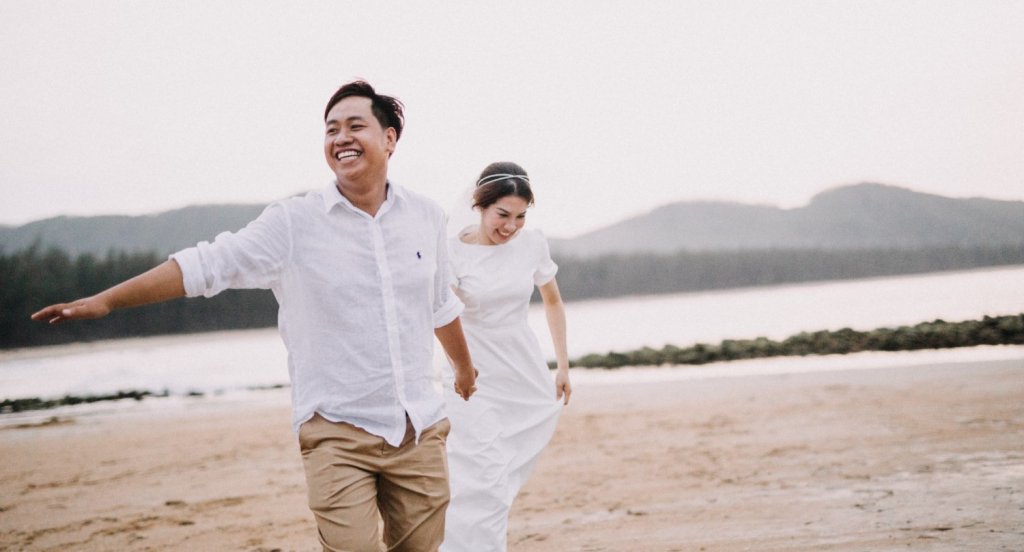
(920, 457)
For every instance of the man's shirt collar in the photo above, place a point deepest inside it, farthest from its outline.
(332, 196)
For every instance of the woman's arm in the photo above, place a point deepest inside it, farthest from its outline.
(554, 310)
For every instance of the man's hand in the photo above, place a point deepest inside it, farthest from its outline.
(82, 309)
(160, 283)
(465, 382)
(454, 344)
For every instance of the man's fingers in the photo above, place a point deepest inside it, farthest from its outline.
(75, 313)
(60, 315)
(54, 314)
(64, 314)
(47, 314)
(465, 394)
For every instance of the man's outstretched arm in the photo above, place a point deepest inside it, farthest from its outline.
(158, 284)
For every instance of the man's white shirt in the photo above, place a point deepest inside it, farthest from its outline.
(359, 298)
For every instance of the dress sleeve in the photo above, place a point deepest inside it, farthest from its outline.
(250, 258)
(546, 268)
(453, 268)
(446, 304)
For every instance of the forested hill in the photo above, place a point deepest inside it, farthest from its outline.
(162, 233)
(862, 216)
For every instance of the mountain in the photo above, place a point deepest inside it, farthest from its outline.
(164, 233)
(851, 217)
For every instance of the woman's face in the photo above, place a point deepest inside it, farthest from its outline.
(500, 221)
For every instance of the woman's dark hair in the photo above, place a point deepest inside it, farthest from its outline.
(388, 111)
(499, 180)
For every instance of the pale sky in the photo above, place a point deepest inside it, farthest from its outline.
(613, 107)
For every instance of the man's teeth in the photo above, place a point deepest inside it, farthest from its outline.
(344, 154)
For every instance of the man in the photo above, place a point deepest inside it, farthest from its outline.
(359, 270)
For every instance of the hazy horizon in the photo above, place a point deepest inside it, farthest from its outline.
(614, 108)
(600, 226)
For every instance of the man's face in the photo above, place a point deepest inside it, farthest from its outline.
(355, 144)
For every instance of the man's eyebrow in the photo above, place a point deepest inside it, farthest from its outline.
(347, 119)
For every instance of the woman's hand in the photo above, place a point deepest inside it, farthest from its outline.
(562, 386)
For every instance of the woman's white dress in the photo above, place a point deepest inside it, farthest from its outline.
(497, 435)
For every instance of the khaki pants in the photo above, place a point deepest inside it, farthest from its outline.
(356, 479)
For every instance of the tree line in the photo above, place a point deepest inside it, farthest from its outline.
(33, 278)
(647, 274)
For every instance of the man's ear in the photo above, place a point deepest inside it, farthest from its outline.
(392, 138)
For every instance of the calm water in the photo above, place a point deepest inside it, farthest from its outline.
(780, 311)
(231, 361)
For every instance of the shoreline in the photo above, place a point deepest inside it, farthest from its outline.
(119, 401)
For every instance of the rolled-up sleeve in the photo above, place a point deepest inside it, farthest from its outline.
(191, 271)
(446, 304)
(250, 258)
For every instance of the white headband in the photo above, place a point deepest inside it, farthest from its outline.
(491, 178)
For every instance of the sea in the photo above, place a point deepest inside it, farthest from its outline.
(243, 364)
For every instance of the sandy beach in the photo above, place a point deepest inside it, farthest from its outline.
(924, 457)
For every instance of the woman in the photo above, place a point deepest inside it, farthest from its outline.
(497, 436)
